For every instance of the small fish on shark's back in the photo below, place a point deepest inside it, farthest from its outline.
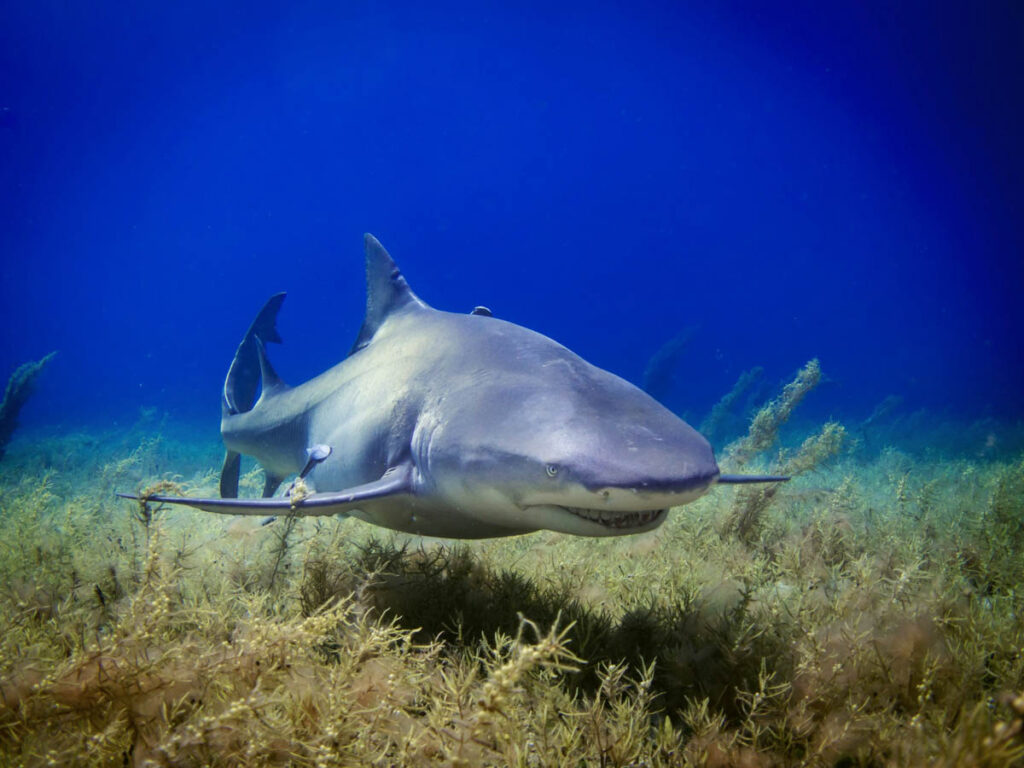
(454, 425)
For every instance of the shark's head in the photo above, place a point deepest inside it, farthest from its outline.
(568, 447)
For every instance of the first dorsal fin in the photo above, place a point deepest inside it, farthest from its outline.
(387, 292)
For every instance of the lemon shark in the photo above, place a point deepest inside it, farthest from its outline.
(454, 425)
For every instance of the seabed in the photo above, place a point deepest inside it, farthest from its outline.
(870, 612)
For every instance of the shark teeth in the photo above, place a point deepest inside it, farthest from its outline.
(617, 519)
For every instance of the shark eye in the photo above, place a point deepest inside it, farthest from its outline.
(551, 469)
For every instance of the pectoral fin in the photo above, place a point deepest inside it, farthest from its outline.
(395, 482)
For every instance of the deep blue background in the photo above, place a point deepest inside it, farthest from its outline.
(823, 179)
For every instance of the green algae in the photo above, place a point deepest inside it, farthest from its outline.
(872, 616)
(724, 411)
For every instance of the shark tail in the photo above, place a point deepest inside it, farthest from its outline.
(244, 376)
(249, 372)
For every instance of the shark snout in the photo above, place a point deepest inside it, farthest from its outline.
(663, 471)
(661, 490)
(657, 492)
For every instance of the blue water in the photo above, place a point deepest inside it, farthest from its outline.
(831, 180)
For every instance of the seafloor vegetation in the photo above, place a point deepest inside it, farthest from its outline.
(870, 612)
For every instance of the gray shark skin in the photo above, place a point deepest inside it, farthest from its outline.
(455, 425)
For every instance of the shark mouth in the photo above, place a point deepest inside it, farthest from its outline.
(618, 520)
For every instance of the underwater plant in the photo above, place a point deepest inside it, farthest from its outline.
(713, 426)
(659, 373)
(764, 428)
(875, 618)
(19, 388)
(746, 518)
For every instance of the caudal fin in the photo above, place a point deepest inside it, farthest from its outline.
(243, 380)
